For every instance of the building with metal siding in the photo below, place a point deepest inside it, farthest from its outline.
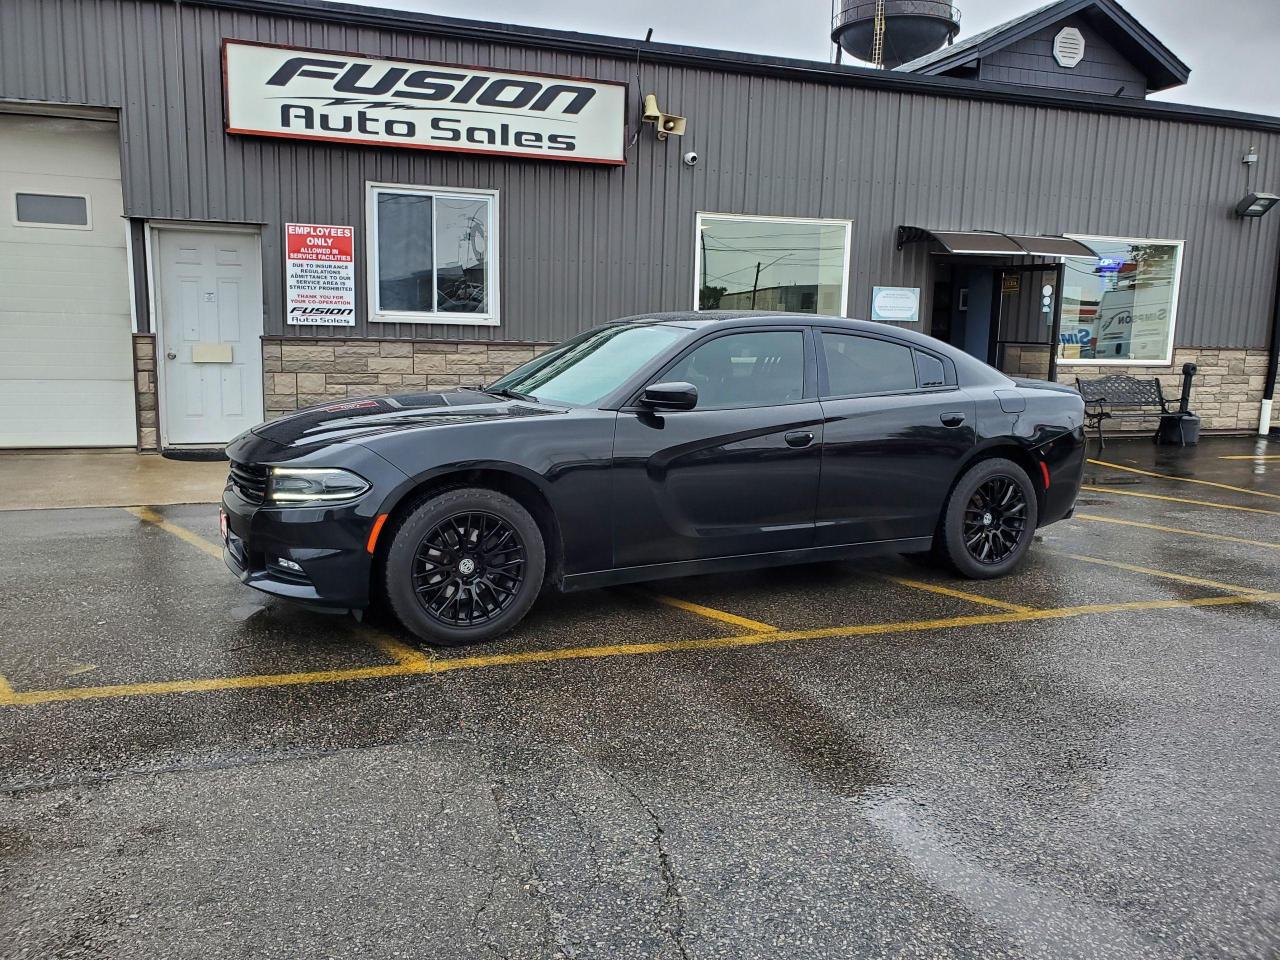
(578, 243)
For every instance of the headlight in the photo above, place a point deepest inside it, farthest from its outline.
(298, 485)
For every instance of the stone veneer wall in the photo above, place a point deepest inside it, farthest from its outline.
(296, 373)
(144, 382)
(1226, 391)
(300, 372)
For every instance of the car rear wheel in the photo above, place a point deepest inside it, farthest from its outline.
(989, 520)
(465, 566)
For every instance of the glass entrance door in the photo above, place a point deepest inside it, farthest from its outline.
(1027, 315)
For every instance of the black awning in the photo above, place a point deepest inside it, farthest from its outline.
(1052, 246)
(989, 243)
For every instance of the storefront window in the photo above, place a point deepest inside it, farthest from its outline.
(772, 263)
(431, 256)
(1120, 307)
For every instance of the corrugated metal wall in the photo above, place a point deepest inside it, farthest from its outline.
(580, 244)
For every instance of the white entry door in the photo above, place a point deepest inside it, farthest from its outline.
(209, 314)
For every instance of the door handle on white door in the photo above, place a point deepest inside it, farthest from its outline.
(171, 355)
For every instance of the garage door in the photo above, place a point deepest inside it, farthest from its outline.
(66, 371)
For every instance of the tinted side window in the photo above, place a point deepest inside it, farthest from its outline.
(745, 369)
(866, 365)
(930, 370)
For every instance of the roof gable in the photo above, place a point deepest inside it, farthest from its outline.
(1112, 23)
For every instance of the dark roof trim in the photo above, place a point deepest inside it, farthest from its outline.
(810, 71)
(987, 243)
(1162, 67)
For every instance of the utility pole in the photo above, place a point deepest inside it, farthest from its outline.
(755, 284)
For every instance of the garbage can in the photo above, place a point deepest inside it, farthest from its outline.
(1179, 428)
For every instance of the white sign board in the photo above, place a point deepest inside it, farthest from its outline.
(316, 95)
(895, 304)
(319, 275)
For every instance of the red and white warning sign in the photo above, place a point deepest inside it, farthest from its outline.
(320, 275)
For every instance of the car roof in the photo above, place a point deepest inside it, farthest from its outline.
(704, 319)
(974, 370)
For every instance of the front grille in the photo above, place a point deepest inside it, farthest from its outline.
(250, 481)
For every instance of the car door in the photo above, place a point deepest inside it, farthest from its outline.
(738, 473)
(895, 429)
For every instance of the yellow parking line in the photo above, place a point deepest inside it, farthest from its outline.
(397, 650)
(1093, 518)
(711, 613)
(1253, 456)
(958, 594)
(6, 692)
(1198, 503)
(401, 653)
(1150, 571)
(33, 697)
(1168, 476)
(148, 515)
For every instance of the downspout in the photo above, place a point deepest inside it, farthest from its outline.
(1273, 360)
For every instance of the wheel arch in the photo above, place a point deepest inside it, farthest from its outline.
(520, 484)
(1007, 448)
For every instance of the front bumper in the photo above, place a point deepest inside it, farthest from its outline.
(327, 545)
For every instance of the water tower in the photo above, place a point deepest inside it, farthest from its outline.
(890, 33)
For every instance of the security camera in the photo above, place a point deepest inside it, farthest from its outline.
(691, 158)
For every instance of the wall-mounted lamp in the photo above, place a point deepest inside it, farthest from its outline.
(667, 124)
(1250, 157)
(1256, 204)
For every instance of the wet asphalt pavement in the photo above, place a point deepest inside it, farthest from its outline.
(941, 777)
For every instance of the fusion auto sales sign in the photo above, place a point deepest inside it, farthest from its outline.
(315, 95)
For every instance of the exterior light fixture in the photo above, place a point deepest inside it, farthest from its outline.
(1256, 204)
(1250, 157)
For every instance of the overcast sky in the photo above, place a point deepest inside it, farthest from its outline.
(1232, 46)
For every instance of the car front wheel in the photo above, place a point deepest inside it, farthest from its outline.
(989, 520)
(465, 566)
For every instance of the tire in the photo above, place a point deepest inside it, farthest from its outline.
(989, 520)
(451, 572)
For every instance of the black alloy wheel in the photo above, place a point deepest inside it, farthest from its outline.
(989, 520)
(994, 519)
(464, 565)
(468, 569)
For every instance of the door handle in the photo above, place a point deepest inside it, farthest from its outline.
(171, 355)
(799, 438)
(952, 418)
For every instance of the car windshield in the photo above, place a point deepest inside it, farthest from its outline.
(588, 368)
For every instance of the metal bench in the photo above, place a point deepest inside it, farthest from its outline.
(1127, 398)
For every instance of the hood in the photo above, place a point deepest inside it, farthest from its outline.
(344, 421)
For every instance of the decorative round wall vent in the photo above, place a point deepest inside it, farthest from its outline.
(1068, 47)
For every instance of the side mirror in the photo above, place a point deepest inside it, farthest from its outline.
(670, 396)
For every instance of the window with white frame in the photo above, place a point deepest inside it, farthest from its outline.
(1122, 306)
(771, 263)
(432, 255)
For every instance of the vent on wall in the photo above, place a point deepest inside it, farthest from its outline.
(1068, 47)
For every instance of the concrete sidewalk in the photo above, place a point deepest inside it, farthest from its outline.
(44, 480)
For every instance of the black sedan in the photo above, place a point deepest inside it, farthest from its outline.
(656, 446)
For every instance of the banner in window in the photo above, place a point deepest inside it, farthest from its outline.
(318, 95)
(319, 275)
